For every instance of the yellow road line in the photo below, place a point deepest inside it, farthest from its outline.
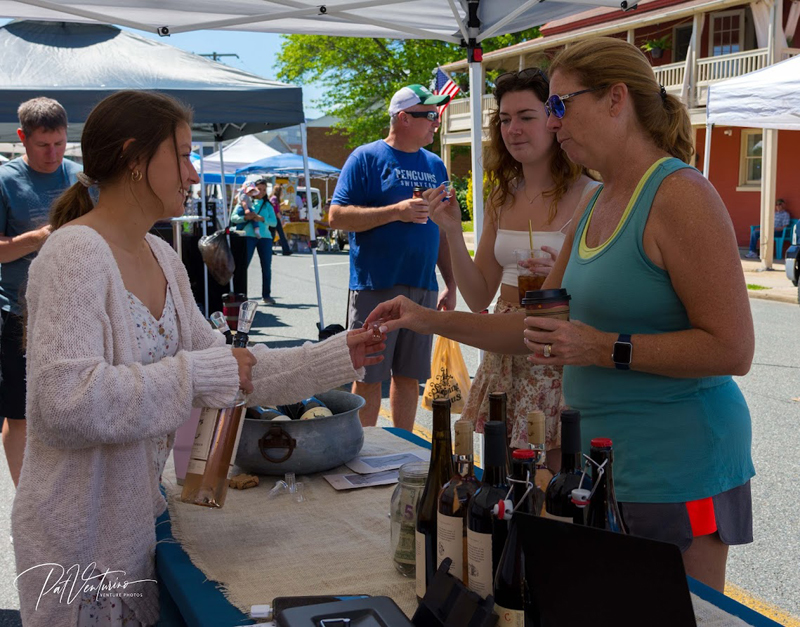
(760, 606)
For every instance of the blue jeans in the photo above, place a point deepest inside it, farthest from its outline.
(756, 234)
(264, 246)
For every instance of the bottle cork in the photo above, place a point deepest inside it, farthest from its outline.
(536, 434)
(464, 431)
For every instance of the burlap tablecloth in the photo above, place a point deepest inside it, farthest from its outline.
(334, 543)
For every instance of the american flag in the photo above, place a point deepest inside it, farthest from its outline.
(444, 85)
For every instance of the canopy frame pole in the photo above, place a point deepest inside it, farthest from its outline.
(475, 56)
(312, 231)
(489, 32)
(204, 222)
(302, 10)
(707, 150)
(225, 222)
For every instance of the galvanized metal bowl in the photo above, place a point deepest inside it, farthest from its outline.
(304, 446)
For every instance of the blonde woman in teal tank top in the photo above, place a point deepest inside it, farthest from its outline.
(660, 318)
(652, 255)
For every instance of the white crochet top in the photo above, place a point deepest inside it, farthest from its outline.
(87, 493)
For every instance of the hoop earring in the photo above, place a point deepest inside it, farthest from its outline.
(136, 176)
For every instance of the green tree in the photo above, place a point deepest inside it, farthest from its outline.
(361, 74)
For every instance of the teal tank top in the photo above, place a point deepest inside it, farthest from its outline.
(675, 440)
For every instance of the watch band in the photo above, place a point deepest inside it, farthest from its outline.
(623, 342)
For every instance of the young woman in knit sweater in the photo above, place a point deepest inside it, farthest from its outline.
(118, 354)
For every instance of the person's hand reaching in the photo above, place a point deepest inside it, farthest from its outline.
(364, 345)
(444, 211)
(401, 313)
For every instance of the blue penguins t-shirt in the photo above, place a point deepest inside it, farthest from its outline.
(25, 200)
(397, 253)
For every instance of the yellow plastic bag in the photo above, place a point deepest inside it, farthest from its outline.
(449, 376)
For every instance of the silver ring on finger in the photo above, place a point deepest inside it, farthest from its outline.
(548, 350)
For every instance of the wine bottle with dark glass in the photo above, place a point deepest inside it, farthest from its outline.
(558, 498)
(497, 412)
(510, 587)
(486, 535)
(217, 437)
(451, 523)
(603, 510)
(440, 471)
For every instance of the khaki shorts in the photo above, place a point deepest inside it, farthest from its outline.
(407, 354)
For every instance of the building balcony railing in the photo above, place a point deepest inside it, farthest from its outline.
(709, 70)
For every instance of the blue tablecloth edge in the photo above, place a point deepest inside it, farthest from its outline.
(173, 563)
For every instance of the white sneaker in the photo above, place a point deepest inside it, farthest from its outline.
(751, 255)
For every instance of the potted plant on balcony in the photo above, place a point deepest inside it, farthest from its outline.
(656, 47)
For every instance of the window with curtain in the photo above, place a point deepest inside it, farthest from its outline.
(750, 158)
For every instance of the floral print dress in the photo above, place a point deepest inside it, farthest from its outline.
(157, 339)
(528, 387)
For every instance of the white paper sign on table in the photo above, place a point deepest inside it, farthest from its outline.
(354, 480)
(379, 463)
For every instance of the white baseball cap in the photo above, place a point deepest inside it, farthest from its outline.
(413, 95)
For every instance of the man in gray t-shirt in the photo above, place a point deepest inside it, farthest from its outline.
(28, 187)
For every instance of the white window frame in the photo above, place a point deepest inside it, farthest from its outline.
(744, 183)
(713, 17)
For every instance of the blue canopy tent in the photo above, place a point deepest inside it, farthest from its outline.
(290, 163)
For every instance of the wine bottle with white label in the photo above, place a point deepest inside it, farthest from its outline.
(440, 471)
(486, 535)
(558, 498)
(451, 523)
(217, 437)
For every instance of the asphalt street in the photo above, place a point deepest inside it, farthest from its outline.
(766, 570)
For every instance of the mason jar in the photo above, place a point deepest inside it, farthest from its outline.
(403, 514)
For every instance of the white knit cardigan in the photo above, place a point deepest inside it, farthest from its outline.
(88, 492)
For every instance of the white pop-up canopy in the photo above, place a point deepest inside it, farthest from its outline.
(768, 98)
(466, 22)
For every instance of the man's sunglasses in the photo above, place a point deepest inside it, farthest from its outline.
(555, 103)
(432, 116)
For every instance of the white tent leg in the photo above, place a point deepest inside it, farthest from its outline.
(476, 111)
(707, 150)
(204, 222)
(769, 172)
(225, 222)
(312, 231)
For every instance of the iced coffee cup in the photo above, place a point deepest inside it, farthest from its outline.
(528, 281)
(547, 303)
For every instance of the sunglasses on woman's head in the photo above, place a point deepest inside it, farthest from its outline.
(555, 103)
(523, 75)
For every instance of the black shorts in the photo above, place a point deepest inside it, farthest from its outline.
(12, 368)
(730, 514)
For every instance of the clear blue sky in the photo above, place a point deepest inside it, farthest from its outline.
(257, 53)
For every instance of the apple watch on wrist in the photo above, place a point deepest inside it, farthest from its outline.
(623, 352)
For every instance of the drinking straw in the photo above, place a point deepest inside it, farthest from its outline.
(530, 233)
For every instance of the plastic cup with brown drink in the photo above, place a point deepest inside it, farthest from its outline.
(547, 303)
(527, 281)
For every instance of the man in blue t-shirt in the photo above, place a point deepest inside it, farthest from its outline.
(28, 186)
(394, 247)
